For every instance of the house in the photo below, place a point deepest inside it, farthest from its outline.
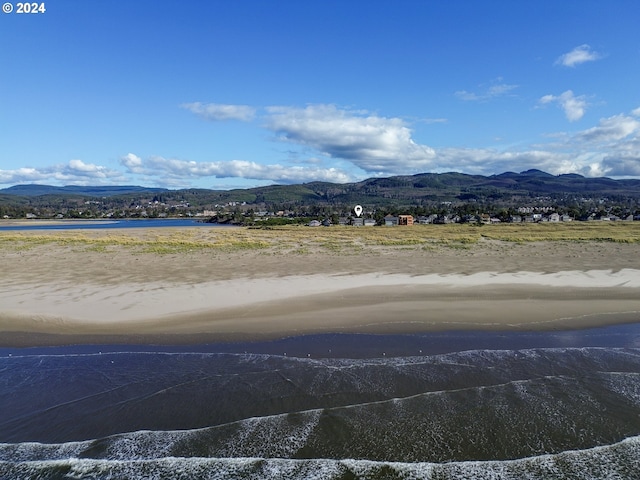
(314, 223)
(424, 220)
(405, 219)
(390, 220)
(449, 219)
(369, 222)
(554, 217)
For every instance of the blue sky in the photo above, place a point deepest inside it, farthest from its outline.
(225, 94)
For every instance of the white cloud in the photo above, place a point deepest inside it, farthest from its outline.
(611, 148)
(610, 129)
(590, 163)
(371, 142)
(622, 166)
(221, 112)
(622, 158)
(78, 168)
(21, 175)
(176, 171)
(578, 55)
(493, 91)
(133, 163)
(574, 107)
(75, 172)
(342, 145)
(483, 161)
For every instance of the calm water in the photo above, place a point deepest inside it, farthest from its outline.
(106, 224)
(556, 405)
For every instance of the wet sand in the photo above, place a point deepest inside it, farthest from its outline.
(54, 293)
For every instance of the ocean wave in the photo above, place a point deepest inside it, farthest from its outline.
(619, 460)
(558, 407)
(535, 413)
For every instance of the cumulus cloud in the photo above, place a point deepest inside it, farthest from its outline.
(578, 55)
(221, 112)
(341, 145)
(495, 90)
(22, 175)
(485, 161)
(75, 172)
(621, 137)
(611, 148)
(77, 168)
(623, 159)
(176, 170)
(622, 165)
(372, 143)
(133, 163)
(574, 107)
(611, 129)
(587, 162)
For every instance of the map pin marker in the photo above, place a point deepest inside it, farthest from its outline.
(358, 210)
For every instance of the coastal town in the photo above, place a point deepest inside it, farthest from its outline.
(243, 213)
(527, 197)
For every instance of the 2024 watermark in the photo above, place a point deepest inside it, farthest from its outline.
(20, 7)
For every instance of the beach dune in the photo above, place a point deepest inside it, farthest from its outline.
(53, 294)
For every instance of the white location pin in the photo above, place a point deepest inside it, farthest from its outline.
(358, 210)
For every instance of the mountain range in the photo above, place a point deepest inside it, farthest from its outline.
(397, 190)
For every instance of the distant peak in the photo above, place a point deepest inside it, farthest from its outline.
(534, 172)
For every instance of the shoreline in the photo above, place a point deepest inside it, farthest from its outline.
(175, 285)
(331, 345)
(32, 339)
(277, 307)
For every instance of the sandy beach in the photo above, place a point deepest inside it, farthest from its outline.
(65, 292)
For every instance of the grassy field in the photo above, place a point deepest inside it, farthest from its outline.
(302, 240)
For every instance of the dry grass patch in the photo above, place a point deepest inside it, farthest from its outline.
(621, 232)
(336, 239)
